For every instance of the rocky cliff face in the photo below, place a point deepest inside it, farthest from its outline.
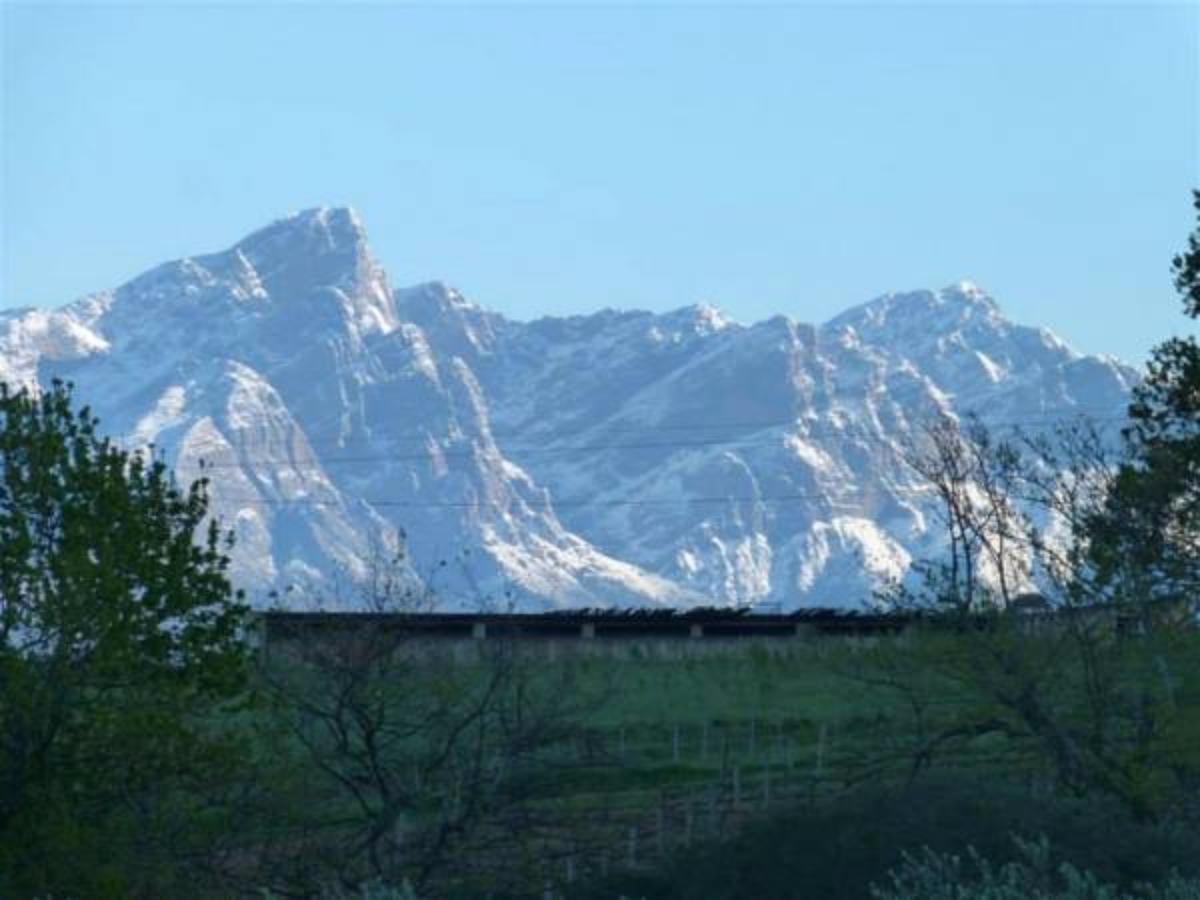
(615, 458)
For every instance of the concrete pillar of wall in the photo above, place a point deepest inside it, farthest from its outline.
(696, 631)
(479, 630)
(588, 630)
(805, 630)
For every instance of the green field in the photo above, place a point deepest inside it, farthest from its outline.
(700, 745)
(544, 768)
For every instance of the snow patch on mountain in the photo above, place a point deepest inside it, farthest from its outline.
(616, 458)
(28, 336)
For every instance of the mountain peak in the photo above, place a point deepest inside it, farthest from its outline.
(942, 310)
(318, 249)
(702, 318)
(967, 291)
(320, 230)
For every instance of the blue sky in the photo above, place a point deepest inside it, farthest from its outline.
(551, 159)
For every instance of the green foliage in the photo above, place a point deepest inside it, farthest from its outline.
(1097, 712)
(929, 875)
(1121, 560)
(371, 891)
(410, 751)
(1148, 537)
(1186, 268)
(117, 631)
(839, 849)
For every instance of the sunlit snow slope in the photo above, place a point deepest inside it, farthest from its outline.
(619, 458)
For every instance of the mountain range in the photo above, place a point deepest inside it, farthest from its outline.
(616, 458)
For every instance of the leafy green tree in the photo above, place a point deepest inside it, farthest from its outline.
(119, 633)
(1147, 540)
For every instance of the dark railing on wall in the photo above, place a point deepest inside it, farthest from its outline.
(588, 624)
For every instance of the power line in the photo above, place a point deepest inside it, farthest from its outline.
(516, 451)
(548, 503)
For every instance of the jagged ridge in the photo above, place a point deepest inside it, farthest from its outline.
(619, 458)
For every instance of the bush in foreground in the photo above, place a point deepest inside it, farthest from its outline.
(1033, 876)
(840, 848)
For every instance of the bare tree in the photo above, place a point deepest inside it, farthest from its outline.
(417, 749)
(1062, 689)
(973, 479)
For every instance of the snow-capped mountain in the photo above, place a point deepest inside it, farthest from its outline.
(614, 458)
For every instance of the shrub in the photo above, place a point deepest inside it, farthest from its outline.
(839, 848)
(1033, 876)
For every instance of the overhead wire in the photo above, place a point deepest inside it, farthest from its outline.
(516, 450)
(550, 503)
(547, 502)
